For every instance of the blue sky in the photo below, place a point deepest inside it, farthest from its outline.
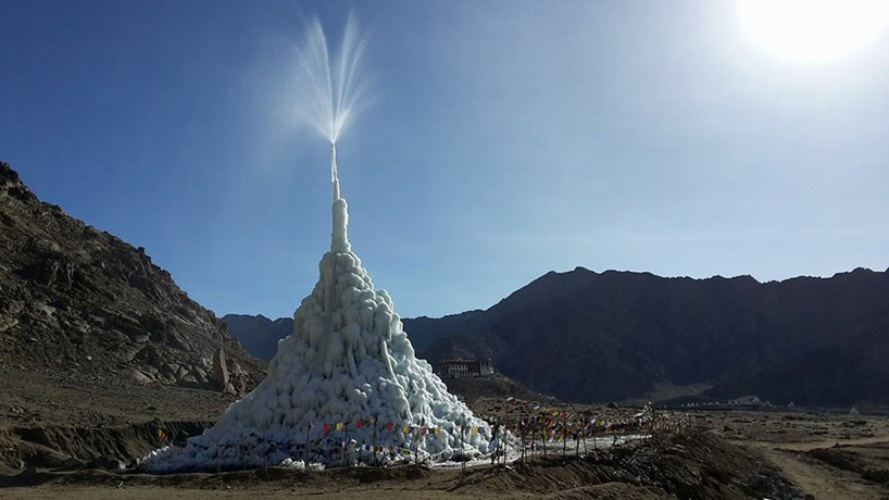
(504, 140)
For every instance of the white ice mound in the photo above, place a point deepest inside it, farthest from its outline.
(346, 381)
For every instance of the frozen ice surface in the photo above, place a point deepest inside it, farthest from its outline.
(346, 380)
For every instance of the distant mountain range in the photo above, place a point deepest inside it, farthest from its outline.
(258, 334)
(587, 336)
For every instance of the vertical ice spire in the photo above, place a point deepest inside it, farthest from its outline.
(334, 176)
(339, 242)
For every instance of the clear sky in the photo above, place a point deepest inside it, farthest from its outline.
(505, 139)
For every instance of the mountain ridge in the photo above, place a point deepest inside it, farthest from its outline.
(619, 334)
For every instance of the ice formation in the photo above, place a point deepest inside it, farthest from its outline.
(345, 386)
(347, 382)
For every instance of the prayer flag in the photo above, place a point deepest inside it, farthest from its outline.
(340, 426)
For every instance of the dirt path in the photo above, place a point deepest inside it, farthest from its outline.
(821, 480)
(817, 478)
(812, 445)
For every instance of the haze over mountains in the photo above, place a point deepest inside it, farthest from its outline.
(586, 336)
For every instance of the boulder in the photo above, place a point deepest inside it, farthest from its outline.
(220, 372)
(139, 377)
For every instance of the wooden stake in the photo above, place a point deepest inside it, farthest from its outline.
(545, 435)
(306, 450)
(505, 442)
(416, 441)
(374, 441)
(523, 442)
(462, 449)
(576, 444)
(586, 431)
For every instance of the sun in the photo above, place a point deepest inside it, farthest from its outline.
(814, 30)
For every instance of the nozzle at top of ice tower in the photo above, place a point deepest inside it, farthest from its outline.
(334, 175)
(339, 241)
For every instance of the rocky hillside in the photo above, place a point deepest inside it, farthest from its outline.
(77, 300)
(586, 336)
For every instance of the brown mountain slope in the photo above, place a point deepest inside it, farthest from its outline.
(77, 300)
(587, 336)
(617, 336)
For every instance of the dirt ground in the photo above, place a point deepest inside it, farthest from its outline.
(29, 398)
(827, 456)
(689, 465)
(46, 419)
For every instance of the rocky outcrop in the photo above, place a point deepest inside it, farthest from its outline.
(73, 298)
(220, 371)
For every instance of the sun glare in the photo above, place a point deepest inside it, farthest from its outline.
(814, 30)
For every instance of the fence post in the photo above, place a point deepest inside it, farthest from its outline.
(306, 449)
(505, 441)
(586, 431)
(373, 449)
(462, 446)
(416, 440)
(523, 431)
(576, 443)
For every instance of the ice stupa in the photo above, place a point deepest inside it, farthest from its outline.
(344, 387)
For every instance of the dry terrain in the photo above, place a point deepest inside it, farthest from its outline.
(827, 456)
(62, 438)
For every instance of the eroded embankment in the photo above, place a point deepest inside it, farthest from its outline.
(695, 466)
(53, 446)
(870, 462)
